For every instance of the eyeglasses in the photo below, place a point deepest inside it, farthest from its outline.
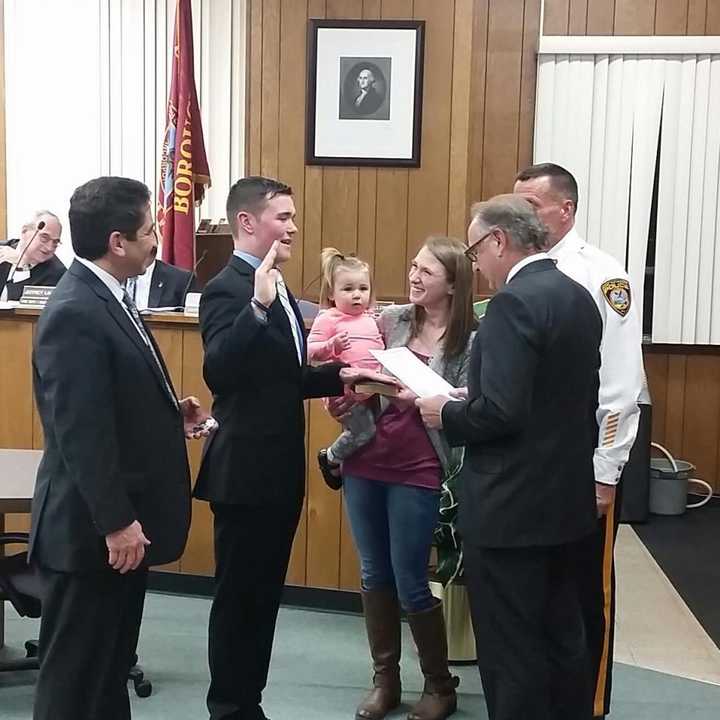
(471, 253)
(47, 240)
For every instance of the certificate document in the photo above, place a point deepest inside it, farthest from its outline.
(412, 372)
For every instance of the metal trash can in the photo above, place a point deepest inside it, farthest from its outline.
(669, 480)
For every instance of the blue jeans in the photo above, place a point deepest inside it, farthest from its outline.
(392, 526)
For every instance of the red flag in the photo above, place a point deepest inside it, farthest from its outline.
(184, 168)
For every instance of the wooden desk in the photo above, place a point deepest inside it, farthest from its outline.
(323, 554)
(684, 383)
(18, 469)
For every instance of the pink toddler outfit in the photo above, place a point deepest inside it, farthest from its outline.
(364, 335)
(362, 331)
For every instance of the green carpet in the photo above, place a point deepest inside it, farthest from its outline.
(320, 670)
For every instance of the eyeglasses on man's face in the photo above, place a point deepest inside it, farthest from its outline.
(47, 240)
(471, 253)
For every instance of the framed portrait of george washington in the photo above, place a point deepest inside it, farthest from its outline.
(364, 92)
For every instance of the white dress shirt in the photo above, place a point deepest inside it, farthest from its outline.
(139, 288)
(20, 276)
(517, 267)
(113, 285)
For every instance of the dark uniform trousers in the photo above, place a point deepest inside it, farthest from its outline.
(99, 610)
(252, 552)
(597, 597)
(528, 627)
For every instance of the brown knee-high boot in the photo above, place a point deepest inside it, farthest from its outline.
(438, 700)
(382, 620)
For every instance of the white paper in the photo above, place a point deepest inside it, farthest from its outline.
(413, 372)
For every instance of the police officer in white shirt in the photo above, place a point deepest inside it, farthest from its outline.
(553, 192)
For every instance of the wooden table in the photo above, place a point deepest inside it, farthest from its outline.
(18, 469)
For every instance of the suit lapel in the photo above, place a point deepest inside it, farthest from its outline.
(128, 327)
(161, 360)
(119, 315)
(301, 323)
(156, 285)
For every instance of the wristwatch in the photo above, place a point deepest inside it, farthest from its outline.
(261, 311)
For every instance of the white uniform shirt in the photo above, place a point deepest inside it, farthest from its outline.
(621, 366)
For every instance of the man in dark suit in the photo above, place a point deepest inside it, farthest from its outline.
(35, 251)
(161, 286)
(527, 490)
(113, 489)
(253, 468)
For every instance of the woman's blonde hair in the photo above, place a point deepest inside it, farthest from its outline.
(458, 270)
(332, 260)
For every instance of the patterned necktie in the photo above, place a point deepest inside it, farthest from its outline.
(131, 285)
(285, 302)
(135, 315)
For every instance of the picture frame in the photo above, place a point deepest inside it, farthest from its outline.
(364, 92)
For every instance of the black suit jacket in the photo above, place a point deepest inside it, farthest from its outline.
(46, 274)
(529, 422)
(169, 285)
(114, 442)
(257, 456)
(370, 103)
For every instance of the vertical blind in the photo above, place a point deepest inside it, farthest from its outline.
(602, 115)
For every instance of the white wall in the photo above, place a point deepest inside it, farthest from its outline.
(86, 94)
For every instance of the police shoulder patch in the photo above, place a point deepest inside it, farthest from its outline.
(617, 294)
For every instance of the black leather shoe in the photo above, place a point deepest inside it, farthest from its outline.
(334, 482)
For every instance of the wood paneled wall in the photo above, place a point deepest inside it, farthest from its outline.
(632, 17)
(478, 106)
(323, 553)
(685, 389)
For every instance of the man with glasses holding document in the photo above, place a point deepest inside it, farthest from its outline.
(527, 492)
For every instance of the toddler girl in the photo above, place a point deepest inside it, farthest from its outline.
(345, 331)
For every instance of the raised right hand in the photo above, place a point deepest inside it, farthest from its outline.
(266, 277)
(126, 547)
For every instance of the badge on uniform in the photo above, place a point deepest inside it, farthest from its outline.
(617, 293)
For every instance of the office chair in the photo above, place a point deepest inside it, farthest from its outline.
(20, 584)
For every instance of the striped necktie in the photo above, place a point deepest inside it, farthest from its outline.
(135, 315)
(294, 325)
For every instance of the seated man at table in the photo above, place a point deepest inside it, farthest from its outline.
(30, 259)
(162, 286)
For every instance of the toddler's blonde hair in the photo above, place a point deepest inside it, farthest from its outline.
(332, 260)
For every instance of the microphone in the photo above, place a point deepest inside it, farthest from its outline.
(11, 275)
(193, 275)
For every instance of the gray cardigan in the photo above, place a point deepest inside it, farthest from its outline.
(395, 324)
